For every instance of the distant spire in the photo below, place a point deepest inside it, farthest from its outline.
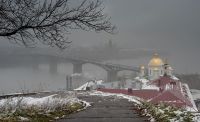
(166, 61)
(142, 70)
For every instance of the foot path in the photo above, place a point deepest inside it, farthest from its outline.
(105, 109)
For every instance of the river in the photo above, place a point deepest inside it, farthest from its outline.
(25, 78)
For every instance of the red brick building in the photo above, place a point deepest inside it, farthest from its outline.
(171, 92)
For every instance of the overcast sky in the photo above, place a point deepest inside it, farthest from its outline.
(172, 26)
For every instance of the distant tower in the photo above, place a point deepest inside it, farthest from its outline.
(167, 68)
(170, 71)
(142, 71)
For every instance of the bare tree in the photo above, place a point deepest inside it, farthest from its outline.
(27, 21)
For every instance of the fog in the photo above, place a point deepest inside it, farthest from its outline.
(170, 28)
(160, 25)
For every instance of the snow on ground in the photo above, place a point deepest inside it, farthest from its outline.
(145, 84)
(174, 77)
(92, 84)
(35, 108)
(191, 98)
(183, 113)
(143, 80)
(152, 87)
(46, 103)
(84, 86)
(195, 93)
(129, 98)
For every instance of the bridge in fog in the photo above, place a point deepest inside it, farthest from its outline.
(77, 62)
(35, 59)
(112, 69)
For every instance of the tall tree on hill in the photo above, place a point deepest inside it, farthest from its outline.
(49, 21)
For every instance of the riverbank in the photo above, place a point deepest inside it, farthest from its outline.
(64, 106)
(43, 107)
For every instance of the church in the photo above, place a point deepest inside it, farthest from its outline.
(156, 68)
(157, 84)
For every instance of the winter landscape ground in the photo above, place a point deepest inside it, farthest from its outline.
(41, 107)
(89, 106)
(99, 61)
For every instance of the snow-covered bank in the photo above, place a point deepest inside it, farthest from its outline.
(166, 113)
(195, 94)
(129, 98)
(156, 113)
(48, 108)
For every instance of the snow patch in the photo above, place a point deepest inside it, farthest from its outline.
(90, 84)
(129, 98)
(152, 87)
(48, 102)
(190, 98)
(174, 77)
(195, 93)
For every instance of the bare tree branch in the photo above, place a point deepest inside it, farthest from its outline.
(26, 21)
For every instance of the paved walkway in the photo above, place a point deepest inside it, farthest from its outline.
(105, 109)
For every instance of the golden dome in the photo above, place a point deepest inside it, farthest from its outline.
(156, 61)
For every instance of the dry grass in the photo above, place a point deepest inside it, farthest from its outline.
(13, 110)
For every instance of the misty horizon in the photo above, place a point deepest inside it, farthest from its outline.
(160, 26)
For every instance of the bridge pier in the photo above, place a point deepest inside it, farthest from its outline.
(77, 68)
(111, 75)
